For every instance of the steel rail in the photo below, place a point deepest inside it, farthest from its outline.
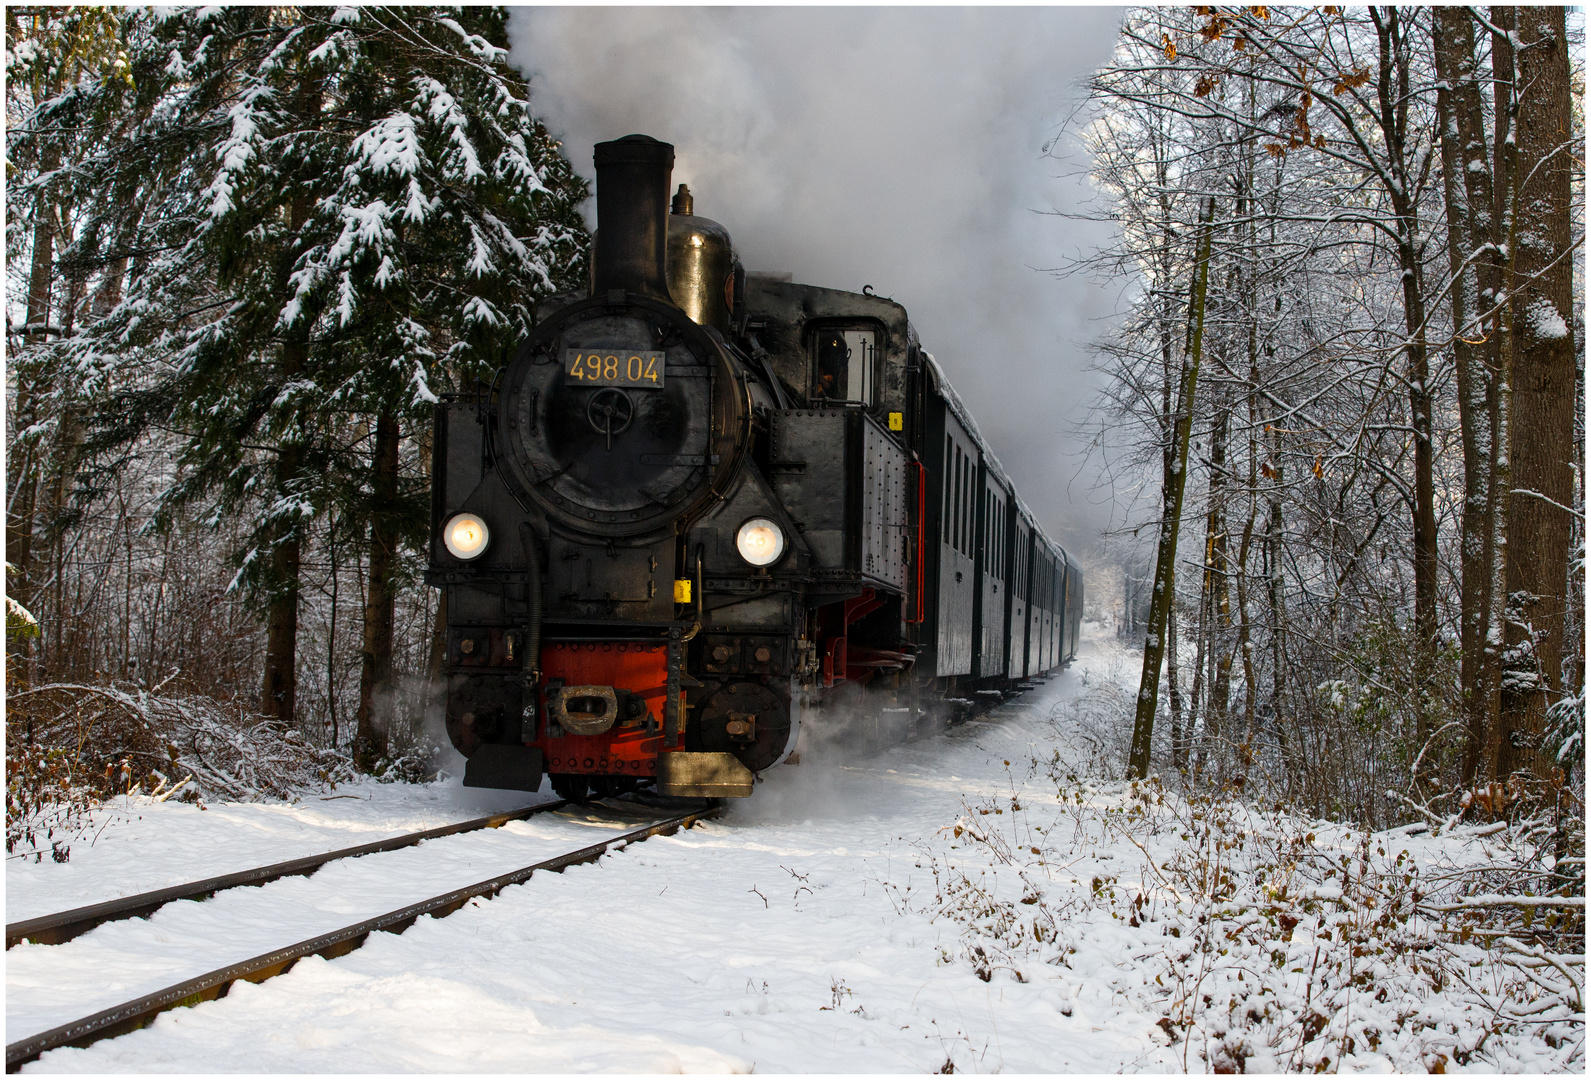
(66, 925)
(132, 1015)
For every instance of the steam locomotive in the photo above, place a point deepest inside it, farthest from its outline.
(703, 516)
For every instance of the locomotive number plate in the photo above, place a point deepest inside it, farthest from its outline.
(594, 367)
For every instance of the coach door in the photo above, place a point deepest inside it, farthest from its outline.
(991, 654)
(1036, 611)
(1058, 608)
(1017, 655)
(957, 533)
(1074, 609)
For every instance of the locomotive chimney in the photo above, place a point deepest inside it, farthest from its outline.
(631, 243)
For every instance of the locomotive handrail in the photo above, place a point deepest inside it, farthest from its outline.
(696, 627)
(531, 661)
(922, 537)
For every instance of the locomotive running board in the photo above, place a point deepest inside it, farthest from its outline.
(703, 776)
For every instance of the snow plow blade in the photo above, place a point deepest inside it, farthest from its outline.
(703, 776)
(498, 765)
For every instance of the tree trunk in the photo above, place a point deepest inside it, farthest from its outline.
(1219, 571)
(281, 639)
(1471, 239)
(1199, 731)
(281, 633)
(1179, 744)
(1179, 732)
(24, 486)
(41, 277)
(331, 637)
(437, 654)
(1392, 92)
(1165, 559)
(376, 692)
(1542, 448)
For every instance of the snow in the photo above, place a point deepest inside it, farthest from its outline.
(391, 144)
(236, 151)
(136, 845)
(17, 613)
(987, 898)
(1545, 321)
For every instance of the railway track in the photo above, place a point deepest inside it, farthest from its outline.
(65, 925)
(134, 1014)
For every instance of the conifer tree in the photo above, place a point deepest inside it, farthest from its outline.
(52, 54)
(324, 218)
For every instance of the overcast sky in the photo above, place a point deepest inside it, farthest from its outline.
(900, 148)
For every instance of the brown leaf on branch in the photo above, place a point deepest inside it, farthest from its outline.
(1352, 81)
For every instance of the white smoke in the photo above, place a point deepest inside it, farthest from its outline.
(894, 147)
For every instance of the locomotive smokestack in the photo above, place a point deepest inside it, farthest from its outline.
(632, 217)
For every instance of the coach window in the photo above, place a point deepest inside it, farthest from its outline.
(966, 506)
(972, 513)
(953, 480)
(844, 365)
(967, 534)
(955, 540)
(945, 472)
(963, 489)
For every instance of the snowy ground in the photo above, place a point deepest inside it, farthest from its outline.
(984, 899)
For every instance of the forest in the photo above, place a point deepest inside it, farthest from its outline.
(1354, 379)
(249, 248)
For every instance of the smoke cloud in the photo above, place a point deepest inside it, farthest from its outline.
(894, 147)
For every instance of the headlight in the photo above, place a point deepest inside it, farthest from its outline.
(760, 542)
(465, 536)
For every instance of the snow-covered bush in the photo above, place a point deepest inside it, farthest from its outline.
(71, 745)
(1252, 938)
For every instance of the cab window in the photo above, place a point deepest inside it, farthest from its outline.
(844, 366)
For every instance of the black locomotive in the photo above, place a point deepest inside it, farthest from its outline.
(704, 515)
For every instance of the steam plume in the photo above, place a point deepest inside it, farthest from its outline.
(892, 147)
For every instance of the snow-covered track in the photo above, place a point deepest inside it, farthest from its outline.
(132, 1015)
(66, 925)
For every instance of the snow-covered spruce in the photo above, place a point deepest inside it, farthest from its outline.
(294, 228)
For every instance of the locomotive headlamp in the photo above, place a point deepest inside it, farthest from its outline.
(760, 542)
(465, 536)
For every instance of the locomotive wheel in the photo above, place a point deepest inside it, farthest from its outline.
(579, 788)
(608, 787)
(571, 786)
